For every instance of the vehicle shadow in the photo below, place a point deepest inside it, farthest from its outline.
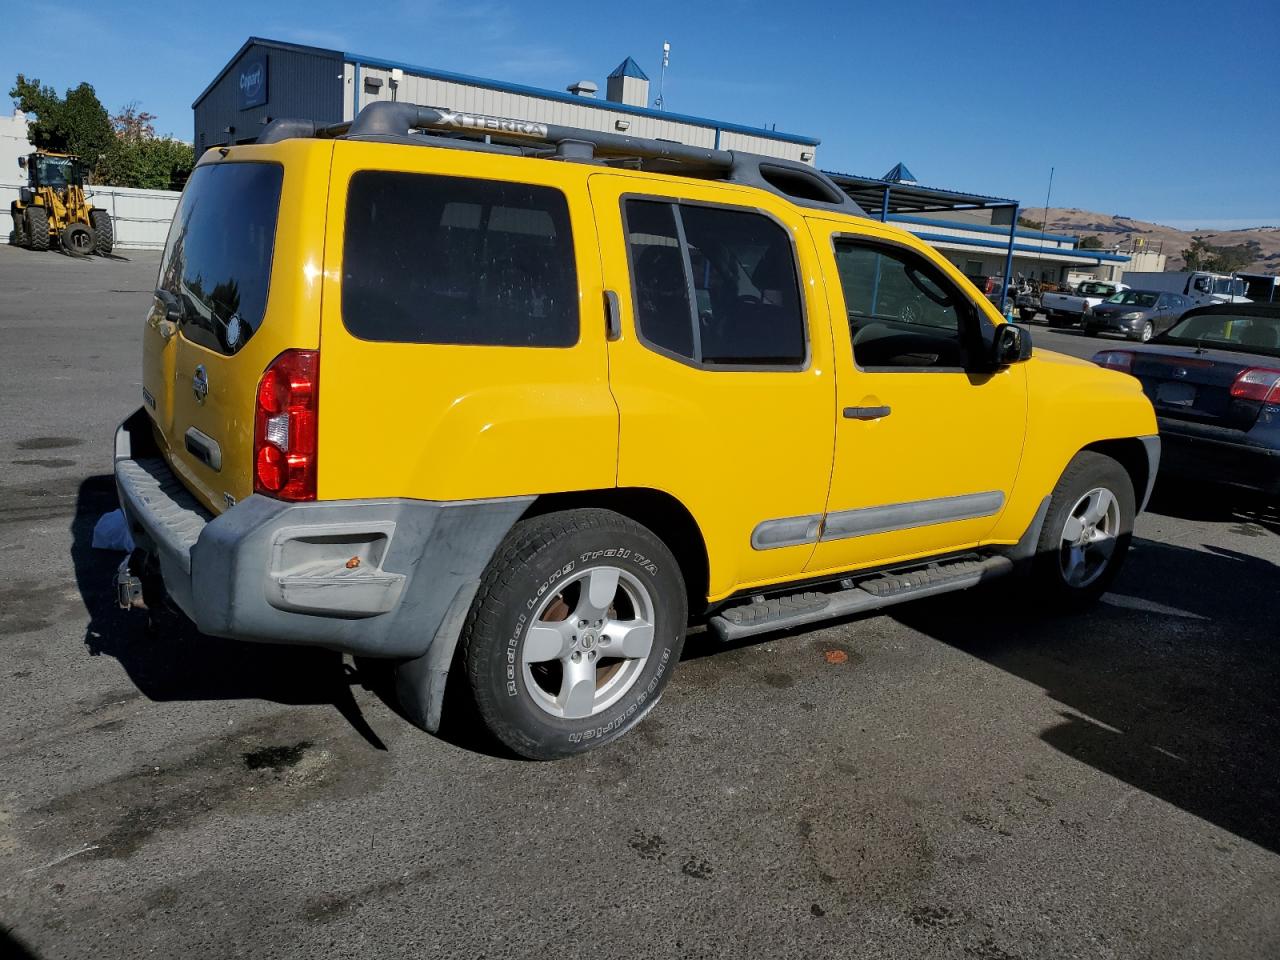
(1169, 684)
(168, 659)
(1253, 514)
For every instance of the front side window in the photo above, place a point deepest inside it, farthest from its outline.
(715, 286)
(217, 260)
(453, 260)
(903, 313)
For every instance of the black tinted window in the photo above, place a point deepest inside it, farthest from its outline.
(741, 271)
(661, 292)
(217, 260)
(902, 311)
(432, 259)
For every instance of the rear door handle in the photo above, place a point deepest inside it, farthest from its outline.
(866, 413)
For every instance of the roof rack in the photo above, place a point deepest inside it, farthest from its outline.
(393, 122)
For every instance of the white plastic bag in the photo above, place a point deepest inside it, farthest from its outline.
(111, 532)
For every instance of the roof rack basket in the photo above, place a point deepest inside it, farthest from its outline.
(393, 122)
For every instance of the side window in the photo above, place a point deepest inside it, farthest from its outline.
(453, 260)
(716, 286)
(903, 312)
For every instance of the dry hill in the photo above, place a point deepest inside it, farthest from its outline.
(1112, 231)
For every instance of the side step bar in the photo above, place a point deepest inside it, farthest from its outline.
(799, 609)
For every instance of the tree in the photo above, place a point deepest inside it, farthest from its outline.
(1091, 242)
(1030, 224)
(1202, 255)
(138, 158)
(1198, 255)
(77, 123)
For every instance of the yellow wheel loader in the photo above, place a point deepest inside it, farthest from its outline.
(51, 209)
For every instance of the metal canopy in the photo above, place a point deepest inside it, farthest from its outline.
(893, 196)
(911, 197)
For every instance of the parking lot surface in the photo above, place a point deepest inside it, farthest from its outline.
(961, 778)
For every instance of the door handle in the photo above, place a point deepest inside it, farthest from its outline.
(612, 316)
(866, 413)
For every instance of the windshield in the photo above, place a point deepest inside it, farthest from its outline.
(1137, 298)
(1248, 334)
(217, 260)
(58, 172)
(1096, 289)
(1228, 286)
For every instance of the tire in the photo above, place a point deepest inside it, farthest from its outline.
(104, 237)
(19, 236)
(37, 228)
(1148, 331)
(1059, 581)
(77, 239)
(546, 691)
(1026, 316)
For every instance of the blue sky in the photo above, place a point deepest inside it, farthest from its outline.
(1162, 110)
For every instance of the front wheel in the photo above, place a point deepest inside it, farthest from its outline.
(1086, 532)
(574, 633)
(1147, 332)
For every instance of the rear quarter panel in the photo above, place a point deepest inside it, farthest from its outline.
(461, 422)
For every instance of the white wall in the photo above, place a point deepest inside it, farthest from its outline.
(13, 144)
(141, 217)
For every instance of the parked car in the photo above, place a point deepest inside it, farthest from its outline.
(1137, 314)
(1067, 309)
(462, 405)
(1214, 379)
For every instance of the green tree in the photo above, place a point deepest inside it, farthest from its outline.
(1231, 259)
(1030, 224)
(1199, 255)
(1091, 242)
(138, 158)
(77, 123)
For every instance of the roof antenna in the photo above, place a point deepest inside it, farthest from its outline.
(662, 75)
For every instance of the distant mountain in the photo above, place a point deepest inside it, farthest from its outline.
(1114, 230)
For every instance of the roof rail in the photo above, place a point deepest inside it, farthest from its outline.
(797, 182)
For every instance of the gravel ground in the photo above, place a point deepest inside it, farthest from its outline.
(970, 782)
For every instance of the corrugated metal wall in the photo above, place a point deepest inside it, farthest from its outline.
(299, 84)
(141, 217)
(431, 92)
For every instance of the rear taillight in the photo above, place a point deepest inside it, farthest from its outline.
(1261, 384)
(285, 425)
(1121, 360)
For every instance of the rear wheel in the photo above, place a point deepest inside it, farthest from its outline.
(574, 633)
(77, 239)
(19, 236)
(103, 232)
(37, 228)
(1086, 532)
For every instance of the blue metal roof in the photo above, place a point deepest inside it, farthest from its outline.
(899, 174)
(628, 68)
(1095, 255)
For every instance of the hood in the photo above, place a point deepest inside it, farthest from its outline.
(1112, 309)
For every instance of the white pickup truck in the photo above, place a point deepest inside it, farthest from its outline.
(1064, 309)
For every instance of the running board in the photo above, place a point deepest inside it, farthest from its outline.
(799, 609)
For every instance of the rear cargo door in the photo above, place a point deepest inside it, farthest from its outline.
(243, 297)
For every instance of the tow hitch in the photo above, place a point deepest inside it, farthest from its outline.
(128, 588)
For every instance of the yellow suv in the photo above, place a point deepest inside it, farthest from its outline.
(430, 377)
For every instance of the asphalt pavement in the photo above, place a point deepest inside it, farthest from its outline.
(960, 778)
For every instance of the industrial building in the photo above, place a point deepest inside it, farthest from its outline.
(267, 79)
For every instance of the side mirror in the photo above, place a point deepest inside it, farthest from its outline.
(171, 304)
(1012, 344)
(22, 162)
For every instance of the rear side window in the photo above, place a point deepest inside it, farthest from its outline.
(453, 260)
(715, 286)
(217, 260)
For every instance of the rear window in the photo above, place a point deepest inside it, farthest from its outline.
(1251, 333)
(453, 260)
(217, 260)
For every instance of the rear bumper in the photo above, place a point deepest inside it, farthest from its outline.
(1205, 454)
(367, 577)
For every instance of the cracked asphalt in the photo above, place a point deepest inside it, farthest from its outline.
(959, 778)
